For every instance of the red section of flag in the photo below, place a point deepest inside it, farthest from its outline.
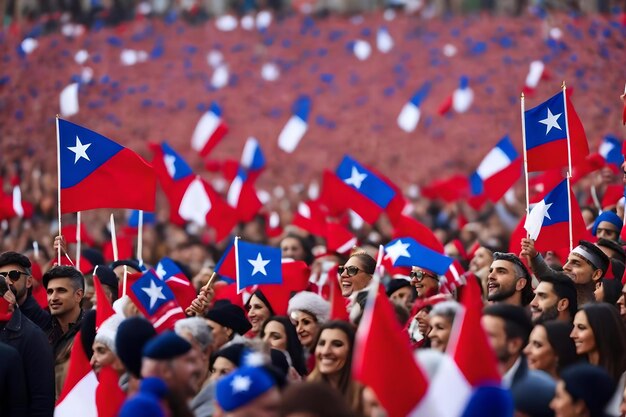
(109, 395)
(377, 366)
(103, 307)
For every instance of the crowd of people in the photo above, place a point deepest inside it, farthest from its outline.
(556, 322)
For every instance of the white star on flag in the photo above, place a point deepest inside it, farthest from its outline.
(160, 271)
(80, 150)
(259, 264)
(397, 250)
(551, 121)
(169, 161)
(534, 221)
(154, 292)
(241, 383)
(356, 178)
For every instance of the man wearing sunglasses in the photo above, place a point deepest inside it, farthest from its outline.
(25, 336)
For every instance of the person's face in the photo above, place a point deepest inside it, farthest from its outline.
(578, 269)
(544, 306)
(598, 293)
(371, 404)
(403, 297)
(103, 356)
(257, 313)
(332, 350)
(186, 373)
(62, 297)
(266, 405)
(502, 280)
(621, 303)
(607, 230)
(306, 326)
(292, 248)
(494, 327)
(275, 335)
(221, 334)
(539, 353)
(582, 334)
(562, 403)
(482, 258)
(19, 286)
(439, 332)
(423, 321)
(221, 367)
(353, 278)
(425, 282)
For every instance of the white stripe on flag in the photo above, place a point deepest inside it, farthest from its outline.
(495, 161)
(232, 197)
(409, 117)
(81, 400)
(207, 125)
(166, 316)
(195, 204)
(291, 134)
(68, 100)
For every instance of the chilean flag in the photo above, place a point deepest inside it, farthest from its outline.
(257, 264)
(410, 114)
(407, 252)
(469, 361)
(611, 151)
(156, 301)
(168, 165)
(548, 221)
(310, 216)
(242, 197)
(176, 280)
(296, 126)
(252, 157)
(383, 359)
(78, 396)
(91, 163)
(497, 172)
(209, 131)
(461, 99)
(546, 129)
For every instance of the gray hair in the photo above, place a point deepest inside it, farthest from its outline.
(197, 328)
(447, 309)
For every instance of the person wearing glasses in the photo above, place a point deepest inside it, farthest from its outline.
(426, 283)
(509, 281)
(25, 336)
(354, 279)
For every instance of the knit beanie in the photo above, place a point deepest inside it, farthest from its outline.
(591, 384)
(310, 303)
(533, 393)
(132, 335)
(489, 401)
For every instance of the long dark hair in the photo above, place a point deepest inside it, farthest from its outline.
(345, 379)
(557, 332)
(610, 337)
(294, 347)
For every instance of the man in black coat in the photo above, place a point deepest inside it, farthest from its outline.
(17, 331)
(12, 386)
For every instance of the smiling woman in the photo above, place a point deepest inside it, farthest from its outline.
(333, 354)
(279, 333)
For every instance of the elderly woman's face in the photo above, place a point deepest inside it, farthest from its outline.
(306, 326)
(103, 356)
(439, 332)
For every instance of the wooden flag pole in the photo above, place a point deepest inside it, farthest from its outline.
(569, 168)
(113, 238)
(59, 185)
(140, 238)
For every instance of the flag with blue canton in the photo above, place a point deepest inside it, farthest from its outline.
(151, 292)
(257, 264)
(177, 168)
(365, 182)
(406, 251)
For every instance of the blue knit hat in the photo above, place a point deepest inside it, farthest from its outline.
(146, 403)
(591, 384)
(490, 401)
(166, 346)
(242, 386)
(132, 334)
(533, 393)
(607, 216)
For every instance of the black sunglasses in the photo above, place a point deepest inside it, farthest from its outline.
(13, 275)
(350, 270)
(420, 275)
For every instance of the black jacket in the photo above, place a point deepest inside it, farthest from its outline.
(12, 386)
(37, 362)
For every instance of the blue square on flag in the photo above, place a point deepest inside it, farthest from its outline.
(406, 251)
(152, 292)
(167, 268)
(257, 264)
(365, 182)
